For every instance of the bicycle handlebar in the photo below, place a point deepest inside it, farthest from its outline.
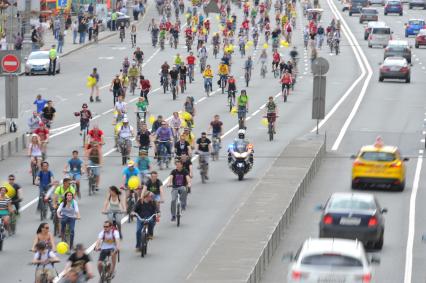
(143, 219)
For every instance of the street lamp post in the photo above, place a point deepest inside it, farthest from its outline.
(26, 43)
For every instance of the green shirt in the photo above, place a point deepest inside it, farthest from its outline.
(114, 16)
(242, 100)
(142, 105)
(271, 107)
(52, 53)
(60, 192)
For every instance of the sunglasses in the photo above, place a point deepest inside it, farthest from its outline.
(106, 227)
(11, 179)
(46, 227)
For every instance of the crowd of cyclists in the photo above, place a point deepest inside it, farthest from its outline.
(167, 139)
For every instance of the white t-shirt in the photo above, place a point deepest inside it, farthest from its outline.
(108, 240)
(43, 257)
(120, 106)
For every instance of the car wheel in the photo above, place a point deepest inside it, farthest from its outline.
(380, 79)
(27, 74)
(350, 14)
(416, 45)
(386, 14)
(379, 244)
(370, 46)
(408, 80)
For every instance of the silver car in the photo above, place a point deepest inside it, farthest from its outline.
(331, 260)
(395, 68)
(38, 63)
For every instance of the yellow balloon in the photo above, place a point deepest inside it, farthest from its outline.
(217, 17)
(194, 29)
(133, 182)
(151, 119)
(186, 116)
(184, 124)
(246, 47)
(265, 46)
(117, 127)
(264, 122)
(234, 111)
(10, 190)
(62, 248)
(249, 43)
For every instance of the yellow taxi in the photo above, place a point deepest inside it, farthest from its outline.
(378, 165)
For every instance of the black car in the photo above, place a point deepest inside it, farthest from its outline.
(355, 6)
(353, 216)
(122, 18)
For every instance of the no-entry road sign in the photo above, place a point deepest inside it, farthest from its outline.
(10, 63)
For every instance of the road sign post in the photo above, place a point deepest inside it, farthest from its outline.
(319, 68)
(11, 101)
(10, 62)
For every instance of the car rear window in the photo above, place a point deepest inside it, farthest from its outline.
(378, 156)
(394, 3)
(381, 31)
(331, 260)
(399, 63)
(369, 12)
(351, 204)
(417, 23)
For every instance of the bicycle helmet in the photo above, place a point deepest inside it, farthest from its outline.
(84, 105)
(125, 120)
(241, 134)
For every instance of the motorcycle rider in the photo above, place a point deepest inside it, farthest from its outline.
(241, 144)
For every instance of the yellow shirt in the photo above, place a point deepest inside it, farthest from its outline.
(208, 73)
(223, 69)
(189, 138)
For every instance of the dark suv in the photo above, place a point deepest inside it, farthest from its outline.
(356, 6)
(398, 48)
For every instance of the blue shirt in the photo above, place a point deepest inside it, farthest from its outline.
(75, 165)
(164, 134)
(40, 104)
(45, 178)
(143, 163)
(128, 173)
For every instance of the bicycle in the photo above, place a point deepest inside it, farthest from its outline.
(34, 168)
(204, 166)
(132, 198)
(122, 36)
(115, 223)
(247, 76)
(188, 44)
(208, 86)
(42, 204)
(2, 233)
(140, 118)
(165, 82)
(91, 177)
(144, 233)
(179, 208)
(276, 71)
(231, 99)
(271, 130)
(133, 84)
(285, 91)
(223, 79)
(124, 145)
(215, 50)
(263, 70)
(163, 157)
(174, 90)
(85, 133)
(202, 64)
(106, 274)
(191, 73)
(182, 84)
(215, 147)
(56, 223)
(44, 274)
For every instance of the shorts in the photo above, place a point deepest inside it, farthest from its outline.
(4, 212)
(271, 117)
(242, 112)
(96, 170)
(75, 176)
(104, 254)
(50, 273)
(283, 86)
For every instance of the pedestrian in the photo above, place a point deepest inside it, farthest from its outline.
(136, 11)
(3, 43)
(61, 38)
(82, 29)
(52, 60)
(95, 30)
(145, 87)
(133, 35)
(95, 87)
(18, 41)
(35, 39)
(40, 103)
(74, 28)
(114, 17)
(90, 28)
(56, 27)
(90, 9)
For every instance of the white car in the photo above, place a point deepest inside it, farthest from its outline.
(38, 63)
(331, 260)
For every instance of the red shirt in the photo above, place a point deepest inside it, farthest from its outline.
(42, 133)
(207, 24)
(246, 24)
(286, 79)
(96, 136)
(145, 84)
(168, 25)
(188, 32)
(276, 57)
(190, 60)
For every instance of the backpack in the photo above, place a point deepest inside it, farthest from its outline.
(112, 231)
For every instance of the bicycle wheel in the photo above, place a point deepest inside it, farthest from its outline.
(164, 86)
(230, 103)
(12, 223)
(43, 210)
(247, 77)
(203, 175)
(144, 243)
(178, 210)
(56, 230)
(270, 132)
(174, 92)
(34, 171)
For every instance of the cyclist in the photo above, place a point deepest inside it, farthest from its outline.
(182, 147)
(216, 127)
(44, 259)
(178, 60)
(78, 266)
(174, 76)
(120, 109)
(133, 75)
(129, 172)
(61, 190)
(5, 207)
(271, 111)
(43, 235)
(96, 134)
(124, 82)
(35, 151)
(157, 124)
(190, 60)
(276, 58)
(242, 107)
(74, 168)
(145, 85)
(263, 57)
(68, 212)
(17, 198)
(43, 133)
(125, 133)
(294, 54)
(138, 56)
(187, 164)
(145, 208)
(232, 88)
(175, 124)
(33, 122)
(125, 65)
(189, 137)
(204, 148)
(183, 70)
(208, 76)
(94, 158)
(155, 186)
(248, 66)
(143, 163)
(116, 88)
(286, 82)
(144, 137)
(44, 179)
(113, 204)
(189, 107)
(164, 137)
(142, 108)
(85, 117)
(40, 103)
(48, 113)
(179, 179)
(108, 243)
(223, 73)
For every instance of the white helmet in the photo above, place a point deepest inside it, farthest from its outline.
(241, 133)
(125, 120)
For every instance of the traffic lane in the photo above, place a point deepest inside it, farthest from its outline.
(306, 220)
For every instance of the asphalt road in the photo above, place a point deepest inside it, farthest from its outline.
(174, 251)
(395, 111)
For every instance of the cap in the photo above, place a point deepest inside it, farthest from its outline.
(130, 163)
(125, 120)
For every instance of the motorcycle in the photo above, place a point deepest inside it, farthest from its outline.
(240, 158)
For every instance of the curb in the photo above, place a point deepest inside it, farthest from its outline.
(13, 146)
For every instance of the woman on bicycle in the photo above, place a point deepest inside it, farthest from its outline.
(68, 212)
(271, 111)
(45, 236)
(116, 88)
(176, 124)
(242, 108)
(114, 204)
(35, 150)
(286, 82)
(5, 207)
(189, 107)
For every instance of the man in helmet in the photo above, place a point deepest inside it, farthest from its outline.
(124, 134)
(241, 144)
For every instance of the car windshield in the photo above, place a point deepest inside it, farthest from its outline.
(38, 56)
(369, 12)
(394, 3)
(332, 260)
(352, 204)
(381, 31)
(416, 23)
(396, 47)
(378, 156)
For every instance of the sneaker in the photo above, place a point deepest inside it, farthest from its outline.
(91, 99)
(173, 218)
(207, 177)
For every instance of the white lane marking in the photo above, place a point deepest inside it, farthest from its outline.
(346, 30)
(412, 221)
(104, 86)
(80, 94)
(28, 205)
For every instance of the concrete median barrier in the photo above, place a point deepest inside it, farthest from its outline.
(246, 245)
